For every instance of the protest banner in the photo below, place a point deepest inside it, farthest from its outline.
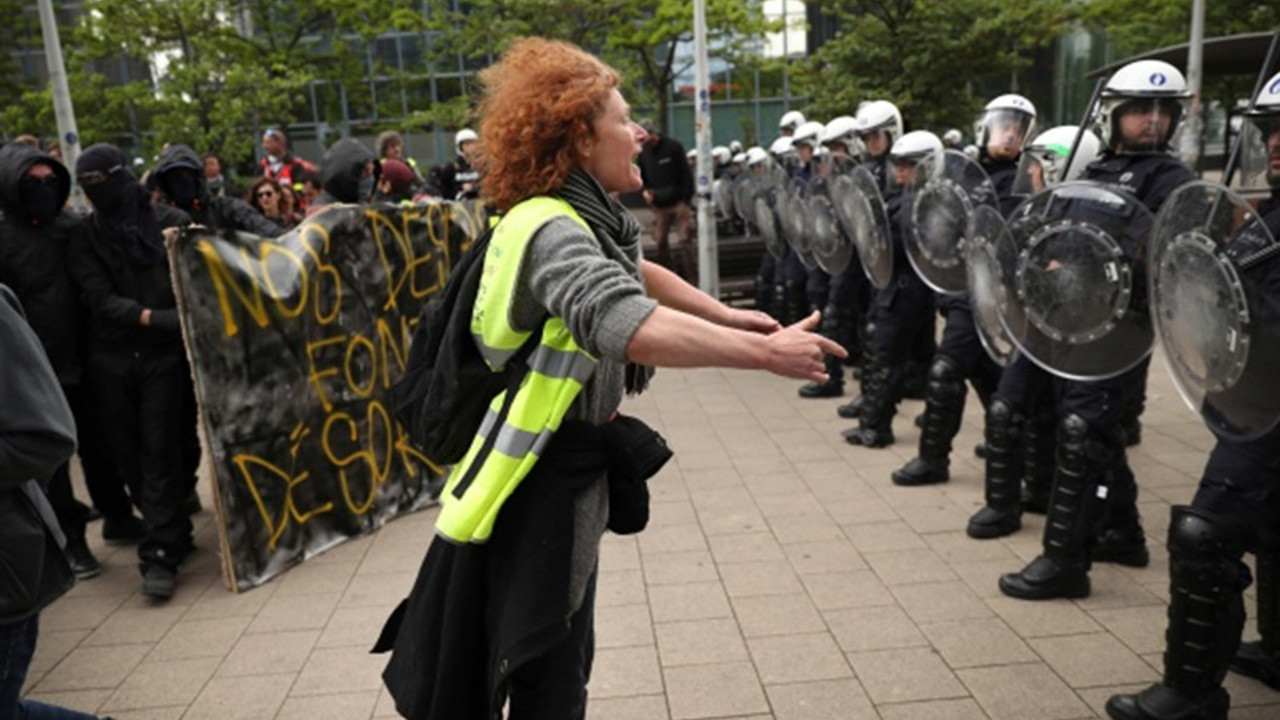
(295, 344)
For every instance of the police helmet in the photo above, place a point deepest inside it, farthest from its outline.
(465, 135)
(809, 133)
(952, 138)
(755, 156)
(735, 147)
(880, 115)
(1154, 86)
(1052, 147)
(781, 147)
(791, 120)
(1264, 121)
(721, 155)
(916, 148)
(1005, 126)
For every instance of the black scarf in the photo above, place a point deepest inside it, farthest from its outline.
(615, 227)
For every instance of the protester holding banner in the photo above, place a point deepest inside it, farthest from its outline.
(503, 608)
(179, 174)
(137, 364)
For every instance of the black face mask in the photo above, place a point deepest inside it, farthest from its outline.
(108, 196)
(182, 186)
(40, 198)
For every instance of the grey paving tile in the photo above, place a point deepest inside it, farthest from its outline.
(746, 547)
(198, 638)
(805, 528)
(340, 706)
(802, 657)
(1017, 692)
(625, 672)
(860, 588)
(162, 684)
(620, 587)
(1091, 660)
(824, 557)
(873, 628)
(905, 674)
(901, 567)
(679, 567)
(690, 601)
(964, 709)
(241, 698)
(130, 625)
(879, 537)
(356, 627)
(85, 701)
(1140, 628)
(936, 601)
(268, 653)
(365, 590)
(1042, 619)
(759, 578)
(776, 615)
(699, 642)
(672, 538)
(93, 667)
(714, 691)
(821, 700)
(974, 643)
(621, 625)
(339, 670)
(644, 707)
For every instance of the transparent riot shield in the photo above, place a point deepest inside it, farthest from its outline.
(1076, 295)
(764, 192)
(1215, 297)
(796, 222)
(832, 248)
(988, 248)
(940, 202)
(743, 190)
(861, 213)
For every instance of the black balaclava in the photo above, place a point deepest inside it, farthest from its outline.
(121, 205)
(25, 199)
(179, 174)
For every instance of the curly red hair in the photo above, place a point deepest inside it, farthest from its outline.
(537, 103)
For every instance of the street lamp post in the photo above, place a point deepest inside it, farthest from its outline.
(708, 266)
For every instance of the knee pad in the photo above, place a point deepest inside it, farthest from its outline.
(1200, 535)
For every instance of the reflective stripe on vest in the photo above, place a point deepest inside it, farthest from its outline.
(558, 369)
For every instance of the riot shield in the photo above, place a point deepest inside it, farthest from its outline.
(1217, 320)
(1077, 301)
(832, 247)
(861, 213)
(796, 221)
(768, 223)
(744, 189)
(988, 247)
(941, 200)
(722, 194)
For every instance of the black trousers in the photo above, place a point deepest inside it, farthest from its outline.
(960, 342)
(899, 315)
(142, 401)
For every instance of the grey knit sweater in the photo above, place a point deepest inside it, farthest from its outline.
(599, 293)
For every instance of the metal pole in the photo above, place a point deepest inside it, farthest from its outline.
(1190, 140)
(708, 263)
(68, 135)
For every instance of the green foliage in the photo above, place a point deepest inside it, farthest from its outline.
(1135, 26)
(925, 55)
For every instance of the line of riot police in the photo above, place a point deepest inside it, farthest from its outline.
(1057, 260)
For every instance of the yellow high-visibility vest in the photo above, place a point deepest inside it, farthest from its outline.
(505, 449)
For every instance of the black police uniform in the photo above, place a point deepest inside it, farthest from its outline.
(1091, 446)
(960, 357)
(1236, 509)
(898, 314)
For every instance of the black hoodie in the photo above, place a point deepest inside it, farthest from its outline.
(205, 208)
(344, 165)
(33, 262)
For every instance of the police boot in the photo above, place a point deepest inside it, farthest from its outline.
(1002, 515)
(1122, 540)
(875, 423)
(1261, 660)
(1041, 444)
(944, 405)
(852, 409)
(1206, 615)
(1063, 569)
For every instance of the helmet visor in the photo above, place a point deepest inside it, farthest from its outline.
(1003, 132)
(1260, 153)
(1147, 124)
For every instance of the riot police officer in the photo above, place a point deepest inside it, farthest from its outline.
(1020, 421)
(1236, 507)
(1002, 130)
(1136, 117)
(901, 309)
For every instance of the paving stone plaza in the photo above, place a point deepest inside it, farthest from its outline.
(782, 576)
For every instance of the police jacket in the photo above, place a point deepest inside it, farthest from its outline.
(666, 172)
(212, 211)
(1149, 177)
(33, 263)
(37, 434)
(116, 285)
(448, 180)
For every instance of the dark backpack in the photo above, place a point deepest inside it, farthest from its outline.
(447, 385)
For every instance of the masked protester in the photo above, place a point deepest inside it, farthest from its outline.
(350, 174)
(137, 364)
(179, 175)
(34, 239)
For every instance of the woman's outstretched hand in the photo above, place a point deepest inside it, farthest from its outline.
(797, 352)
